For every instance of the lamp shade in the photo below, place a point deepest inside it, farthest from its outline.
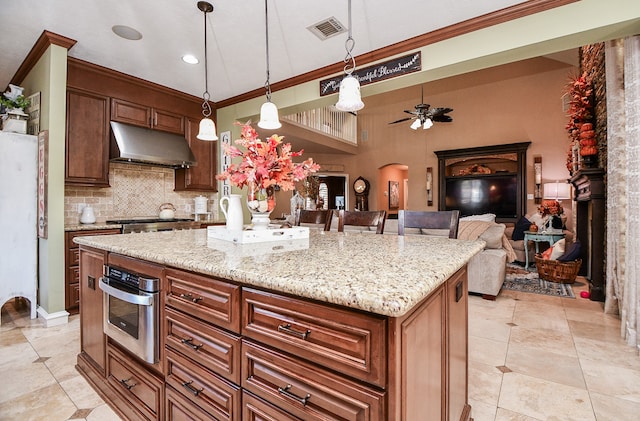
(269, 116)
(556, 190)
(427, 124)
(349, 98)
(415, 124)
(207, 130)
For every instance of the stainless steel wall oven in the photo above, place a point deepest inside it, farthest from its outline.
(131, 311)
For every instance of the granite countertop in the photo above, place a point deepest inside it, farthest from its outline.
(382, 274)
(90, 227)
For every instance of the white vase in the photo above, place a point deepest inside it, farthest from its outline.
(233, 212)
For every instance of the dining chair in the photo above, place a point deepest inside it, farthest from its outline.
(317, 217)
(360, 219)
(432, 220)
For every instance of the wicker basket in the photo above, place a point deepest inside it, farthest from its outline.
(555, 271)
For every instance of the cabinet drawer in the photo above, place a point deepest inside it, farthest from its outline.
(306, 390)
(348, 342)
(74, 256)
(141, 389)
(213, 348)
(178, 408)
(211, 393)
(214, 301)
(255, 409)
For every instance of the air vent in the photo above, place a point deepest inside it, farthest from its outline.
(327, 28)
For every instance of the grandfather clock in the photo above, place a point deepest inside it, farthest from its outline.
(361, 189)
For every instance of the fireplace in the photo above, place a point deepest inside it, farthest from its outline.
(590, 227)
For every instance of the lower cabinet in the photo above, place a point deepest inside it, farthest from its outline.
(232, 352)
(143, 390)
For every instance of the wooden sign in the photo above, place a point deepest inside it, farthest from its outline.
(43, 175)
(389, 69)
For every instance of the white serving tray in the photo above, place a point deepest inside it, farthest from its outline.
(257, 236)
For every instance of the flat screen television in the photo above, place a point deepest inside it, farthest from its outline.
(495, 194)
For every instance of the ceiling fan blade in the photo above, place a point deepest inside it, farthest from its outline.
(442, 118)
(402, 119)
(410, 112)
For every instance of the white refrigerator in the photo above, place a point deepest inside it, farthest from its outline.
(18, 218)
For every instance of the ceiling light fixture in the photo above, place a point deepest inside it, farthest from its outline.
(207, 126)
(268, 112)
(190, 59)
(349, 98)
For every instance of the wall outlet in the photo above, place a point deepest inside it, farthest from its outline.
(188, 207)
(530, 196)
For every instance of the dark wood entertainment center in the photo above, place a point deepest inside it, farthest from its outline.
(485, 162)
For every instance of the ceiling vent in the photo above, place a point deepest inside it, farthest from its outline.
(327, 28)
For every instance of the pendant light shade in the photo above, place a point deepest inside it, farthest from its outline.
(207, 126)
(427, 124)
(269, 116)
(349, 98)
(269, 119)
(207, 130)
(415, 124)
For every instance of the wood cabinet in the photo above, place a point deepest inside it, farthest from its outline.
(141, 115)
(96, 95)
(87, 139)
(201, 177)
(235, 352)
(496, 173)
(72, 267)
(136, 385)
(92, 340)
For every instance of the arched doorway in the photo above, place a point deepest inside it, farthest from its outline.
(393, 191)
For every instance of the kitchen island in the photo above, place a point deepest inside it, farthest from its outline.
(337, 326)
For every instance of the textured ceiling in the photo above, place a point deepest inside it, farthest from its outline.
(236, 35)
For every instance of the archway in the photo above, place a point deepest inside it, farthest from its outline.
(393, 193)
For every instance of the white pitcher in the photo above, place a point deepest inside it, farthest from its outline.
(233, 211)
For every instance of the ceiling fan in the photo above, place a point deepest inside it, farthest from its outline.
(424, 116)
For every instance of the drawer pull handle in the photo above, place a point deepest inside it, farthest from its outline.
(285, 391)
(287, 329)
(191, 297)
(189, 342)
(126, 384)
(195, 391)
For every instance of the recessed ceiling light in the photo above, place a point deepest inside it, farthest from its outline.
(126, 32)
(191, 59)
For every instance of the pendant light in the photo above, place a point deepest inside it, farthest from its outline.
(349, 98)
(268, 112)
(207, 126)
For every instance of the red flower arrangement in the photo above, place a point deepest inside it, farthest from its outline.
(265, 164)
(550, 207)
(580, 127)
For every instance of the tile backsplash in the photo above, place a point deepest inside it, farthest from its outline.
(136, 191)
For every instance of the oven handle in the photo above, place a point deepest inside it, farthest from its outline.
(143, 300)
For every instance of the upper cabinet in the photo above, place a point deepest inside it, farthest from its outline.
(96, 96)
(202, 176)
(87, 139)
(141, 115)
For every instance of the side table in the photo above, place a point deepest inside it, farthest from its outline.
(539, 237)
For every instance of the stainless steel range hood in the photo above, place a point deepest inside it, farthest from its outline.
(146, 146)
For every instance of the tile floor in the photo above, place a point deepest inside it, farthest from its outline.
(531, 357)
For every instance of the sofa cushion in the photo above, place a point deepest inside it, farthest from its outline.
(522, 225)
(487, 217)
(493, 236)
(558, 249)
(572, 252)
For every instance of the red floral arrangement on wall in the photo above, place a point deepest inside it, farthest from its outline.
(580, 126)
